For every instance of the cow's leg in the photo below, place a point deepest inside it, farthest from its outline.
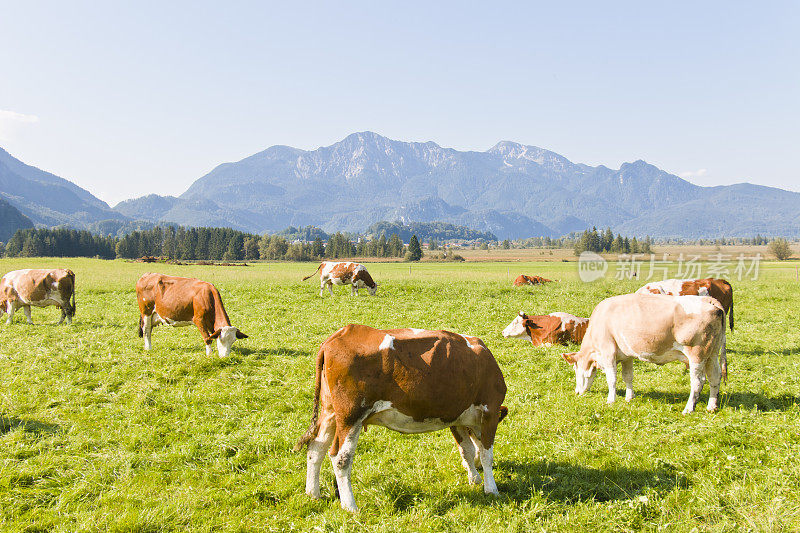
(27, 310)
(488, 430)
(476, 441)
(322, 284)
(467, 450)
(714, 376)
(316, 451)
(343, 463)
(611, 379)
(10, 308)
(330, 287)
(627, 377)
(147, 329)
(63, 316)
(353, 290)
(697, 377)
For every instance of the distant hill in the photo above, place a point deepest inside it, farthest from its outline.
(511, 190)
(48, 200)
(11, 220)
(442, 231)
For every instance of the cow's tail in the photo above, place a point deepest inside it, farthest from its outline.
(312, 430)
(141, 326)
(730, 315)
(723, 353)
(320, 266)
(73, 294)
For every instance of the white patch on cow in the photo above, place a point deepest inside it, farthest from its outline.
(467, 341)
(487, 457)
(516, 329)
(416, 331)
(386, 415)
(173, 323)
(691, 305)
(387, 343)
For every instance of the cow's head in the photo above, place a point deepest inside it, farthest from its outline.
(226, 336)
(585, 370)
(516, 329)
(372, 290)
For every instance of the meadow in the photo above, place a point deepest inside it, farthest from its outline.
(98, 435)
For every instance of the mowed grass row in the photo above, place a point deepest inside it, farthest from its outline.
(98, 435)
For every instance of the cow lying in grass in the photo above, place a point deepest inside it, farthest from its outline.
(408, 380)
(655, 329)
(524, 279)
(546, 330)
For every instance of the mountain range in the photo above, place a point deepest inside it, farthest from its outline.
(512, 190)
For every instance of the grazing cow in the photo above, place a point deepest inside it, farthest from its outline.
(344, 273)
(40, 288)
(546, 330)
(177, 302)
(524, 279)
(408, 380)
(718, 289)
(655, 329)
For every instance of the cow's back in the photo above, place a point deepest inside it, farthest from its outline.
(651, 323)
(434, 374)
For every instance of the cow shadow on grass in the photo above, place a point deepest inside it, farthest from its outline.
(556, 481)
(757, 352)
(33, 426)
(736, 399)
(267, 352)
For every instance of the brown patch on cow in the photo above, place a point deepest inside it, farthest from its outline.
(719, 289)
(654, 291)
(363, 275)
(543, 329)
(343, 271)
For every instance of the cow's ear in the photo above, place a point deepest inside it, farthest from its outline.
(240, 335)
(569, 357)
(523, 315)
(215, 334)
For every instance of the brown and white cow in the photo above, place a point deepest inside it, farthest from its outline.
(408, 380)
(344, 273)
(546, 330)
(524, 279)
(718, 289)
(176, 301)
(655, 329)
(38, 288)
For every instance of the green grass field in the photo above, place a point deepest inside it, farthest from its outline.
(98, 435)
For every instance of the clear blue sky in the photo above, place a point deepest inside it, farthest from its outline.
(142, 97)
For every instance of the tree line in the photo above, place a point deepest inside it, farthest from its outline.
(604, 241)
(215, 244)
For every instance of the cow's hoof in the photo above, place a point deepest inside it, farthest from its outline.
(475, 480)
